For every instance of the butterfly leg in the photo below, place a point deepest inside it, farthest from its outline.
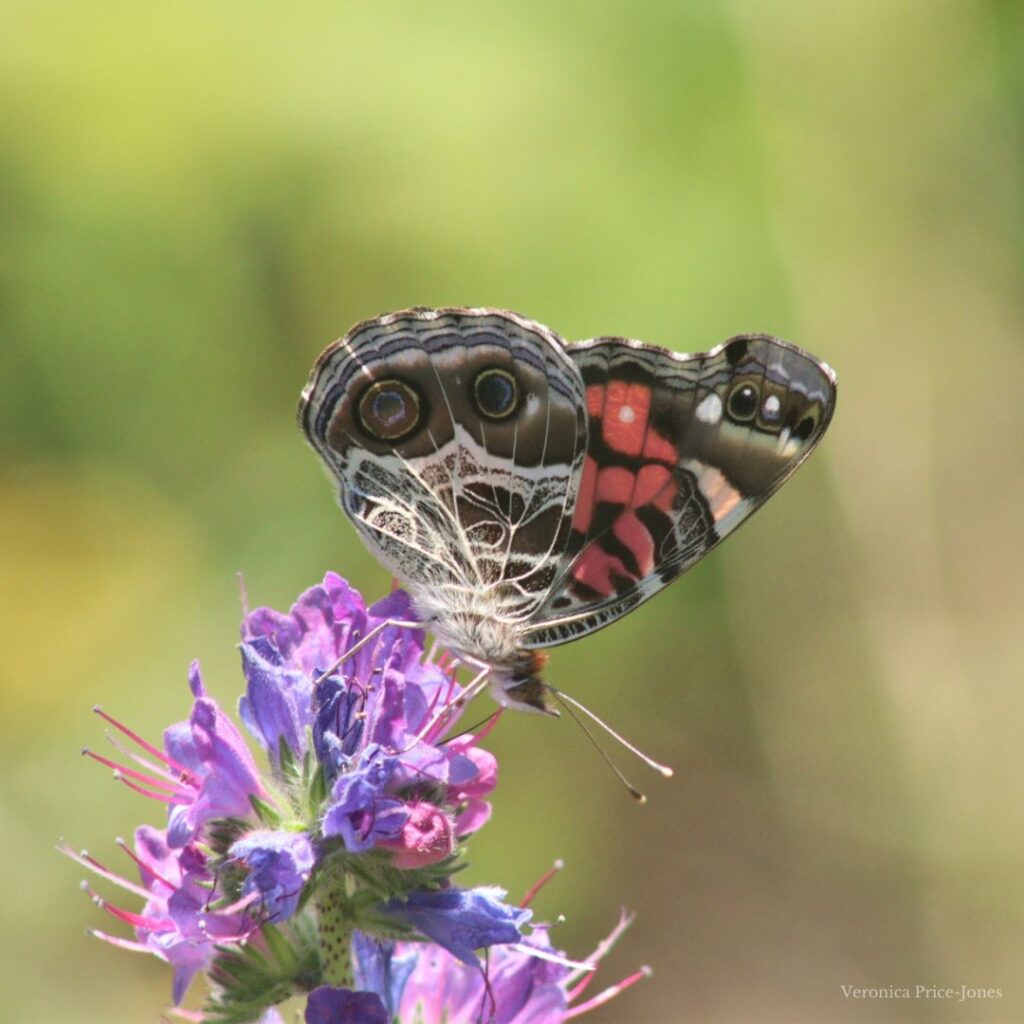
(473, 689)
(363, 641)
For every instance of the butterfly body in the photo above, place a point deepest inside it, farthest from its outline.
(527, 491)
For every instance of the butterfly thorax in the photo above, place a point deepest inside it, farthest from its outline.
(471, 627)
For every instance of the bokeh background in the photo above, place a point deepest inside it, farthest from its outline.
(195, 198)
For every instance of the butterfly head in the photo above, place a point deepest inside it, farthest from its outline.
(520, 685)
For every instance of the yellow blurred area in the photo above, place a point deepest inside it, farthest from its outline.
(90, 557)
(196, 198)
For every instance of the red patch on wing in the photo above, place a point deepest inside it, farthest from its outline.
(624, 423)
(595, 569)
(635, 536)
(621, 412)
(584, 511)
(657, 447)
(651, 481)
(615, 484)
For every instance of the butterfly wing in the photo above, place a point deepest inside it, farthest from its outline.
(457, 438)
(681, 450)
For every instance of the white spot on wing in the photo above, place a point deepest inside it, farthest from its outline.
(626, 414)
(725, 503)
(786, 446)
(710, 409)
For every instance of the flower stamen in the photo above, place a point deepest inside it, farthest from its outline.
(148, 747)
(541, 882)
(609, 993)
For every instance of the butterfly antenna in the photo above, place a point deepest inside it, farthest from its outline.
(630, 788)
(566, 701)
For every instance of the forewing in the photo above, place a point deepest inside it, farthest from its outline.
(461, 504)
(681, 450)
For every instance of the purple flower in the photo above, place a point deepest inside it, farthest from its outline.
(217, 775)
(377, 721)
(323, 624)
(529, 983)
(279, 864)
(460, 920)
(274, 887)
(177, 923)
(359, 811)
(341, 1006)
(381, 968)
(476, 811)
(377, 718)
(283, 655)
(276, 706)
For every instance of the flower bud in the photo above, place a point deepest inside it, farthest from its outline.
(426, 837)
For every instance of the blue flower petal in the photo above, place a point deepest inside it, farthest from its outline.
(359, 811)
(280, 864)
(276, 704)
(328, 1005)
(379, 969)
(461, 920)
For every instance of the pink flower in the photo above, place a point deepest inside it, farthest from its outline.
(427, 837)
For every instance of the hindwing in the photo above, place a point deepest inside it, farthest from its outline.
(457, 437)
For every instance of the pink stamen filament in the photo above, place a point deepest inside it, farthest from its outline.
(179, 1014)
(488, 727)
(148, 747)
(240, 938)
(161, 797)
(114, 940)
(541, 882)
(93, 865)
(437, 727)
(605, 945)
(437, 724)
(157, 770)
(609, 993)
(239, 905)
(151, 924)
(551, 957)
(584, 984)
(148, 869)
(156, 783)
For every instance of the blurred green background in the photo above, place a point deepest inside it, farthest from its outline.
(195, 198)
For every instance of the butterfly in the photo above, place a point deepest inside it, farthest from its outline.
(527, 491)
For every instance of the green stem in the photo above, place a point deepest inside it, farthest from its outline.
(335, 926)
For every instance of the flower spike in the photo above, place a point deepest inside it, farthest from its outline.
(329, 871)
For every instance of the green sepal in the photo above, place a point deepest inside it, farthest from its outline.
(267, 813)
(249, 979)
(317, 791)
(223, 833)
(287, 765)
(279, 946)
